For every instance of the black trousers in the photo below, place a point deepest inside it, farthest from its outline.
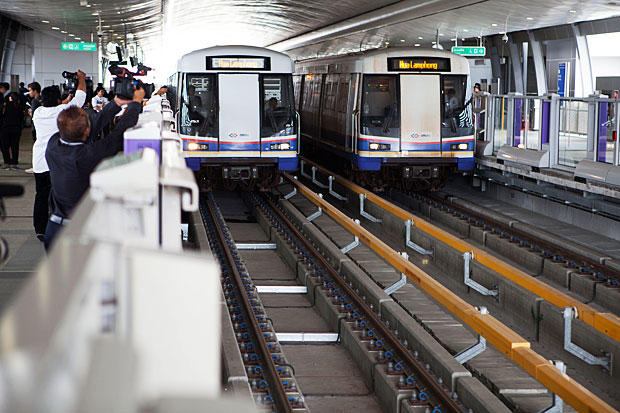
(9, 141)
(40, 214)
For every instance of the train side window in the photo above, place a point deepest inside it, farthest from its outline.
(380, 109)
(278, 106)
(171, 94)
(199, 105)
(343, 90)
(456, 113)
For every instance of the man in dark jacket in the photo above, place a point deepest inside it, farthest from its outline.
(72, 155)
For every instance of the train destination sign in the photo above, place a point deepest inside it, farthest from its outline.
(469, 50)
(79, 47)
(418, 64)
(238, 63)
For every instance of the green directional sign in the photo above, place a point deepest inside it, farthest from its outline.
(79, 47)
(469, 50)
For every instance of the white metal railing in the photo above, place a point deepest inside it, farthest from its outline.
(118, 317)
(571, 129)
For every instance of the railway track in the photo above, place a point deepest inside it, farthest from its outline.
(425, 390)
(607, 324)
(546, 248)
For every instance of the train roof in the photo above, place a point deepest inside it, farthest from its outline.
(375, 61)
(195, 61)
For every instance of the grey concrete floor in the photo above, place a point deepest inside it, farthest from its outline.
(25, 250)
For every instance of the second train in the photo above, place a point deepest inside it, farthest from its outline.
(396, 117)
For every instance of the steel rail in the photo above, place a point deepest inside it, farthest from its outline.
(276, 389)
(496, 333)
(378, 324)
(606, 323)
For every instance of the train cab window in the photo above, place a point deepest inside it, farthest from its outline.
(380, 110)
(199, 105)
(456, 111)
(278, 106)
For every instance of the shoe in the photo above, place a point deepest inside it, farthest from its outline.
(29, 170)
(14, 168)
(5, 167)
(41, 237)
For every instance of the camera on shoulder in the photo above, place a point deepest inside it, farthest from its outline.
(71, 82)
(126, 82)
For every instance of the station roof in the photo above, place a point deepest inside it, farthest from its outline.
(302, 28)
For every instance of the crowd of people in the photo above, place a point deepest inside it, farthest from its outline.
(71, 134)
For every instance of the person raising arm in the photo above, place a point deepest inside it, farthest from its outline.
(72, 156)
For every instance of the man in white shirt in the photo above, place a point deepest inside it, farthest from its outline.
(44, 120)
(99, 100)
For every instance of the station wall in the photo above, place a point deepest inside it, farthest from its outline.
(38, 58)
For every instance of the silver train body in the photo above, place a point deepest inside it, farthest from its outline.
(396, 117)
(235, 114)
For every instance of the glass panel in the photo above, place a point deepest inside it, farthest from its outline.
(278, 106)
(199, 105)
(456, 113)
(606, 148)
(500, 124)
(532, 126)
(380, 114)
(573, 142)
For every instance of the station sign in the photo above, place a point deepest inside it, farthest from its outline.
(79, 47)
(418, 64)
(238, 63)
(469, 50)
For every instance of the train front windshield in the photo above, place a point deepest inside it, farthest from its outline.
(278, 106)
(380, 113)
(456, 112)
(199, 105)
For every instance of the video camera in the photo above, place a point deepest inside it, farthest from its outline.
(125, 81)
(71, 82)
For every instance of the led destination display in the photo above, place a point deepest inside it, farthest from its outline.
(418, 64)
(238, 63)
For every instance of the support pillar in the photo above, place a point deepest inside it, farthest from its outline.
(539, 64)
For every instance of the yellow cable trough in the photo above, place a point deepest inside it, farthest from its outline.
(497, 334)
(606, 323)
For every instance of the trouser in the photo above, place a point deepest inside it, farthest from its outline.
(40, 214)
(34, 134)
(10, 145)
(51, 232)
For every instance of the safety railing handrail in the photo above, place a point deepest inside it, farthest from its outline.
(496, 333)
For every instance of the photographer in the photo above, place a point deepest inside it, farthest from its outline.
(44, 121)
(72, 155)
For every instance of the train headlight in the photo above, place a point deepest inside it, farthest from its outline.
(379, 146)
(194, 146)
(280, 146)
(459, 146)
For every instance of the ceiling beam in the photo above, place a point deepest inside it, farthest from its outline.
(389, 15)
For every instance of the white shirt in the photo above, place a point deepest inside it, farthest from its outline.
(44, 120)
(98, 101)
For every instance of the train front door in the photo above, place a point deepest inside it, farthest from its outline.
(239, 93)
(420, 115)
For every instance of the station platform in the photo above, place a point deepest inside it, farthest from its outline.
(25, 250)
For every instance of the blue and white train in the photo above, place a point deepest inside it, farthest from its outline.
(235, 114)
(395, 117)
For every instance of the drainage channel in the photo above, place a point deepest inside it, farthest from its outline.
(303, 350)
